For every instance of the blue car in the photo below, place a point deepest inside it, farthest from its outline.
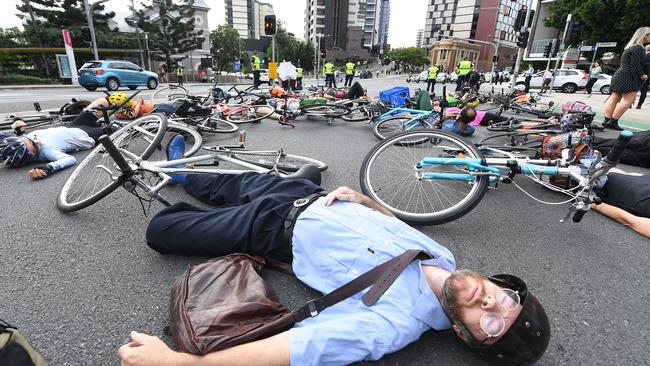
(113, 74)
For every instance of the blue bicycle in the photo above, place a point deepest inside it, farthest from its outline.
(432, 177)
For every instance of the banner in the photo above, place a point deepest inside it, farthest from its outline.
(67, 40)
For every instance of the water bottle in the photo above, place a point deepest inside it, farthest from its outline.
(242, 136)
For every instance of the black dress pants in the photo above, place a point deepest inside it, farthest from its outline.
(249, 218)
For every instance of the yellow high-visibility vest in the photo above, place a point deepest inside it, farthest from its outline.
(433, 72)
(180, 71)
(329, 68)
(299, 71)
(349, 68)
(256, 63)
(464, 67)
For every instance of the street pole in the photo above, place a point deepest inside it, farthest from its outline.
(593, 58)
(550, 55)
(91, 26)
(137, 33)
(520, 52)
(38, 37)
(494, 62)
(557, 61)
(317, 71)
(146, 43)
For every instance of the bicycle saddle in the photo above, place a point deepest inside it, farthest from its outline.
(309, 171)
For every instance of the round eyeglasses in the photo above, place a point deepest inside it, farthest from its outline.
(493, 324)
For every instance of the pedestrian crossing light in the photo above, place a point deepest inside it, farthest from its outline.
(323, 54)
(522, 39)
(547, 49)
(270, 26)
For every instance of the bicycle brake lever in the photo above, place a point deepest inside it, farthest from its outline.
(572, 209)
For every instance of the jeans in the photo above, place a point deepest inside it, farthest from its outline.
(431, 85)
(348, 79)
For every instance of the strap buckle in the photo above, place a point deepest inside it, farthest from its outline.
(300, 202)
(311, 306)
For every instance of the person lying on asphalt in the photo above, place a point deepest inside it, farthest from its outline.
(330, 240)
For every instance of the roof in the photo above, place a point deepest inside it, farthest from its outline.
(201, 4)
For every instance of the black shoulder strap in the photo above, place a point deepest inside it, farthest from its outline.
(380, 278)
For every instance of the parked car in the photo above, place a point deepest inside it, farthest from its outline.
(416, 78)
(114, 73)
(442, 77)
(411, 78)
(603, 84)
(264, 76)
(567, 80)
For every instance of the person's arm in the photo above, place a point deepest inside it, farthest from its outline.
(145, 350)
(465, 129)
(639, 224)
(57, 160)
(636, 59)
(350, 195)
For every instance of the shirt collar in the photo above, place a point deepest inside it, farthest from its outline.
(427, 307)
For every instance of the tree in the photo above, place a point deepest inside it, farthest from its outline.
(224, 45)
(601, 20)
(170, 25)
(290, 49)
(412, 56)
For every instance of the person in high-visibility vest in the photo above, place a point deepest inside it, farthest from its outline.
(299, 78)
(256, 62)
(329, 74)
(180, 72)
(349, 73)
(464, 68)
(431, 79)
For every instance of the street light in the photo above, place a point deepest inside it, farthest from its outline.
(91, 28)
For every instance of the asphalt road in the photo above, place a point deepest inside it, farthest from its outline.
(76, 284)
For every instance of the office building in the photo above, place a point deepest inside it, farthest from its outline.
(247, 16)
(418, 38)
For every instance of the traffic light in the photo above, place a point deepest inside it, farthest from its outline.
(521, 18)
(323, 54)
(556, 48)
(573, 33)
(85, 34)
(522, 39)
(495, 59)
(547, 49)
(269, 25)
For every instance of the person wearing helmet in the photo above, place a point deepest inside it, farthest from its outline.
(329, 239)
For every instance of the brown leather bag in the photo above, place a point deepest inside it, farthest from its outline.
(225, 302)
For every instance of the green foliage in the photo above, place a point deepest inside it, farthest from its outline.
(12, 79)
(12, 63)
(602, 20)
(411, 56)
(170, 27)
(289, 49)
(224, 45)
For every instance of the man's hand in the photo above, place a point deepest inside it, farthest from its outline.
(644, 77)
(39, 172)
(145, 350)
(344, 194)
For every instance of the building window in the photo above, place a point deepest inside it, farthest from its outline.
(443, 54)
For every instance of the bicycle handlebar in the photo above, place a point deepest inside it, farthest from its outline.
(116, 155)
(577, 217)
(621, 142)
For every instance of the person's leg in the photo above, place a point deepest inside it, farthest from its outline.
(610, 105)
(527, 84)
(491, 118)
(644, 92)
(622, 107)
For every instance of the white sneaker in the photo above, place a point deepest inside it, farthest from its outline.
(588, 95)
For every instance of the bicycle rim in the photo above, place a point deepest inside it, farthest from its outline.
(248, 114)
(169, 94)
(90, 182)
(193, 139)
(325, 110)
(357, 114)
(389, 175)
(395, 125)
(287, 162)
(213, 124)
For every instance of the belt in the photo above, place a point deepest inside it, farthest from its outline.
(299, 206)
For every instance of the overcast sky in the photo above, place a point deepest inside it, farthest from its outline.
(405, 20)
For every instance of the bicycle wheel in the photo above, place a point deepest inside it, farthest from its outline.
(249, 114)
(91, 181)
(169, 94)
(390, 175)
(325, 110)
(395, 125)
(212, 124)
(193, 139)
(287, 162)
(505, 126)
(356, 114)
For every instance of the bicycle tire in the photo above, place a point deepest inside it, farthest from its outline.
(178, 92)
(101, 184)
(390, 176)
(249, 114)
(505, 126)
(193, 139)
(395, 125)
(357, 114)
(325, 110)
(287, 163)
(212, 124)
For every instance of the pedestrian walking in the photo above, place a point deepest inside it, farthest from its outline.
(431, 79)
(646, 83)
(349, 73)
(180, 73)
(625, 81)
(329, 74)
(548, 77)
(256, 63)
(529, 75)
(594, 71)
(299, 78)
(162, 73)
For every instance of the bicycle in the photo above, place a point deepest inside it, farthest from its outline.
(445, 177)
(398, 120)
(121, 160)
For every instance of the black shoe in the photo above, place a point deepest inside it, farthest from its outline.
(613, 124)
(596, 127)
(638, 107)
(606, 122)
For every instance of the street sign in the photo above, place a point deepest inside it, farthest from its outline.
(587, 48)
(571, 57)
(273, 70)
(67, 40)
(605, 44)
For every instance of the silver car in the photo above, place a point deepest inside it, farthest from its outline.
(567, 80)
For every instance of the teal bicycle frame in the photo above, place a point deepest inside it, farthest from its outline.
(408, 125)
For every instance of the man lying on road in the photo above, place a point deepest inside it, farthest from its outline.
(330, 240)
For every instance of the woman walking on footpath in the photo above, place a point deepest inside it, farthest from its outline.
(594, 71)
(625, 82)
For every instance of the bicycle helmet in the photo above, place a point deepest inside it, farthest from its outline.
(13, 152)
(278, 92)
(119, 98)
(527, 338)
(536, 97)
(520, 87)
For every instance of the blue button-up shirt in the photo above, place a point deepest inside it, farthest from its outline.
(333, 245)
(57, 141)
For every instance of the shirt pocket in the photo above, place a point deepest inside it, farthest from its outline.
(355, 261)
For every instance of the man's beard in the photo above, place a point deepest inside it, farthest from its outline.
(452, 287)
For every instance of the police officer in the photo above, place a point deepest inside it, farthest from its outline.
(257, 64)
(329, 74)
(299, 78)
(431, 79)
(464, 68)
(349, 73)
(180, 73)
